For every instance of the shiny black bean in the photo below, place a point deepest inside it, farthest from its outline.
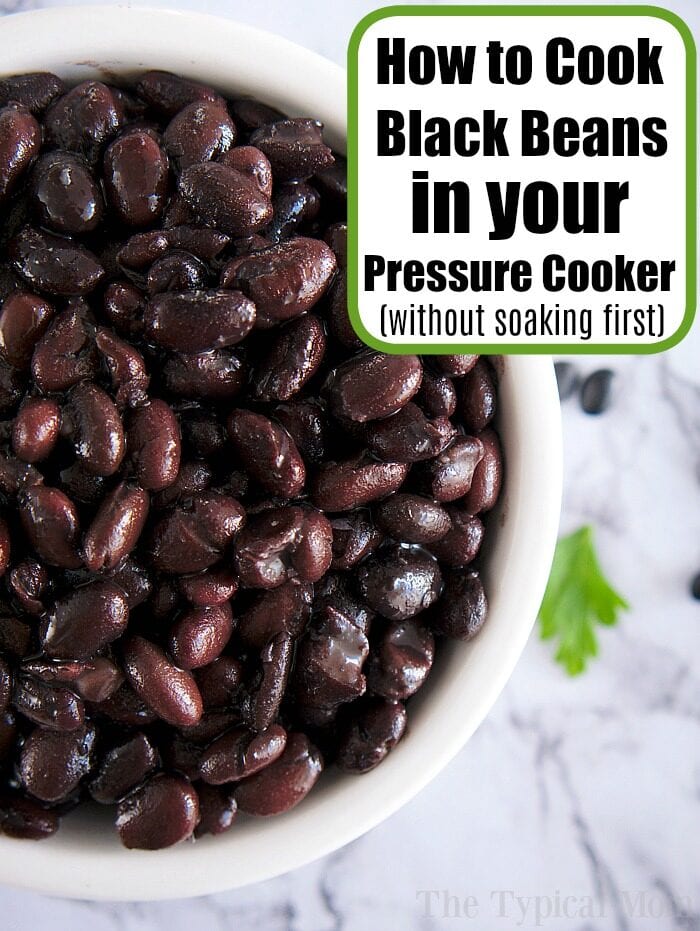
(344, 486)
(284, 783)
(449, 475)
(92, 421)
(285, 609)
(168, 690)
(116, 528)
(83, 120)
(461, 611)
(198, 133)
(55, 265)
(65, 195)
(294, 204)
(225, 198)
(153, 440)
(240, 753)
(477, 397)
(195, 535)
(65, 354)
(488, 476)
(50, 521)
(199, 637)
(84, 621)
(34, 90)
(52, 763)
(136, 178)
(400, 581)
(399, 663)
(36, 429)
(409, 436)
(217, 374)
(295, 148)
(168, 93)
(252, 162)
(268, 453)
(53, 706)
(177, 271)
(162, 812)
(20, 141)
(284, 280)
(23, 321)
(354, 537)
(25, 819)
(376, 729)
(196, 321)
(413, 519)
(295, 355)
(123, 768)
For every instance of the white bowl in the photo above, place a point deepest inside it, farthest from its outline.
(85, 858)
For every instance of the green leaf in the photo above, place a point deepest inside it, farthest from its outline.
(578, 597)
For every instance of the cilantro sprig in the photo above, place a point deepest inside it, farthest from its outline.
(578, 597)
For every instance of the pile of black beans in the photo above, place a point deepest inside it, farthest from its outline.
(230, 534)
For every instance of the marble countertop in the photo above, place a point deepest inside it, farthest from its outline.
(577, 803)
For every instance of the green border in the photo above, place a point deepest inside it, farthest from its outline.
(526, 10)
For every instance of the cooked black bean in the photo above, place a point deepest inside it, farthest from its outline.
(376, 729)
(283, 280)
(449, 475)
(162, 812)
(695, 587)
(284, 543)
(344, 486)
(92, 421)
(209, 534)
(177, 271)
(218, 374)
(36, 429)
(20, 141)
(461, 611)
(399, 663)
(477, 397)
(409, 436)
(153, 437)
(83, 120)
(168, 690)
(372, 386)
(116, 528)
(252, 162)
(122, 768)
(285, 782)
(195, 321)
(65, 354)
(225, 198)
(54, 265)
(596, 391)
(295, 355)
(51, 522)
(23, 321)
(53, 706)
(34, 90)
(65, 195)
(136, 178)
(84, 621)
(295, 148)
(199, 637)
(267, 452)
(198, 133)
(400, 581)
(413, 519)
(52, 763)
(488, 476)
(240, 753)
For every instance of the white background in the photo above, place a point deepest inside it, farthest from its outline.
(652, 219)
(588, 786)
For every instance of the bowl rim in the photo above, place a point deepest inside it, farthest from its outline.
(81, 864)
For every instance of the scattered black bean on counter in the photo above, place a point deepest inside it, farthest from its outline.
(232, 538)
